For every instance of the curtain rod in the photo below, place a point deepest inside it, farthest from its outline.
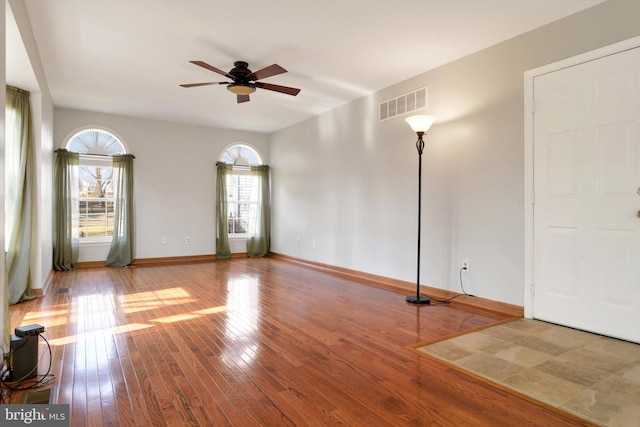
(238, 166)
(86, 154)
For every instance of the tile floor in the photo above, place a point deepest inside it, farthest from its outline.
(594, 377)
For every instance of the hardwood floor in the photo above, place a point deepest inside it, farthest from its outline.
(256, 342)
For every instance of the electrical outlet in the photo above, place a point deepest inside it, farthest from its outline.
(313, 243)
(188, 240)
(465, 264)
(163, 240)
(298, 241)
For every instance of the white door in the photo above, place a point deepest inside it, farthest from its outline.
(586, 241)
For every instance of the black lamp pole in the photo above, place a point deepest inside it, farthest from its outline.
(417, 298)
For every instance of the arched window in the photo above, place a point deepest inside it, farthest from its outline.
(95, 142)
(240, 155)
(95, 181)
(242, 189)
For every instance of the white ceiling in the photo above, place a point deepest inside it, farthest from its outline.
(129, 56)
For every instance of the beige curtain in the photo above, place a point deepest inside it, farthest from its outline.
(18, 176)
(259, 240)
(223, 251)
(66, 235)
(121, 251)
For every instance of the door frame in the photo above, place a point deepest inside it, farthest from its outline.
(529, 76)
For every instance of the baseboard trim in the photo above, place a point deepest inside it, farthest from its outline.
(90, 264)
(396, 285)
(40, 292)
(174, 260)
(191, 259)
(184, 259)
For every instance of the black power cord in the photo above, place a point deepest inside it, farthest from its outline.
(448, 300)
(462, 284)
(8, 386)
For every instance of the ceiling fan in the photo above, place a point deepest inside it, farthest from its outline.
(244, 81)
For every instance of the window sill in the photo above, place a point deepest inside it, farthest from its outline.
(95, 242)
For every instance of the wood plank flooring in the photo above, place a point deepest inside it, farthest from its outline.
(256, 342)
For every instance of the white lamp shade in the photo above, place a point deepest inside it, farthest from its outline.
(420, 123)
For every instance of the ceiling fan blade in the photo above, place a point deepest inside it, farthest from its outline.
(211, 68)
(204, 84)
(243, 98)
(271, 70)
(277, 88)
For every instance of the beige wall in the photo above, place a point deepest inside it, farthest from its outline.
(350, 182)
(174, 179)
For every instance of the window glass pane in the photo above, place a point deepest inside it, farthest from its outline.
(242, 190)
(95, 141)
(240, 154)
(232, 209)
(96, 181)
(96, 201)
(84, 225)
(96, 218)
(110, 218)
(236, 226)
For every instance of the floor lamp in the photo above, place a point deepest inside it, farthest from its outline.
(420, 125)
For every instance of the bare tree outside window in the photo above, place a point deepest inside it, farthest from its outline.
(96, 201)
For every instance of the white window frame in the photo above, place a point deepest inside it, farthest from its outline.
(100, 158)
(243, 172)
(241, 167)
(98, 161)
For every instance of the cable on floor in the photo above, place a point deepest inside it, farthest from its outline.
(9, 386)
(448, 300)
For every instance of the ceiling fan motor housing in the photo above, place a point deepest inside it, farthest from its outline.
(240, 70)
(241, 85)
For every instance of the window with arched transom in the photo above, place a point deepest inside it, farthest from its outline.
(96, 148)
(242, 188)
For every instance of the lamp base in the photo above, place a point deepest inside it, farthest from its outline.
(418, 299)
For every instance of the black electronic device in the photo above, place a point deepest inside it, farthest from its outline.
(29, 330)
(23, 359)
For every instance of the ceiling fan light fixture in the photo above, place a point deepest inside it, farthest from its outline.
(241, 88)
(244, 81)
